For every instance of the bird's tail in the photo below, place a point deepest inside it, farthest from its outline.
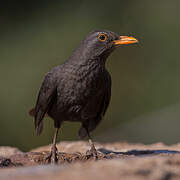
(90, 127)
(39, 128)
(32, 113)
(82, 133)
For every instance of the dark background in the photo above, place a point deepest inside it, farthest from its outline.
(38, 35)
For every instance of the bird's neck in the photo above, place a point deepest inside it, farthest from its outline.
(84, 69)
(96, 64)
(85, 61)
(84, 55)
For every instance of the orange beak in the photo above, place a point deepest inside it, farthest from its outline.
(125, 40)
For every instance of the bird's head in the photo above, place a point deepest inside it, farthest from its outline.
(101, 43)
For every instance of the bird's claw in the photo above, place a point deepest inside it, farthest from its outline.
(52, 157)
(92, 153)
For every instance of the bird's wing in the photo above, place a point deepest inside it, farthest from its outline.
(94, 119)
(46, 97)
(105, 101)
(107, 96)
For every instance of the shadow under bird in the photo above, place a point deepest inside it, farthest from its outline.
(80, 89)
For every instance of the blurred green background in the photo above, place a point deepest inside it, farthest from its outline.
(38, 35)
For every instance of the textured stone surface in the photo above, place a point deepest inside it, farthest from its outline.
(117, 161)
(8, 151)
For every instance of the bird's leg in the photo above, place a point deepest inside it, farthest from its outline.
(52, 157)
(93, 150)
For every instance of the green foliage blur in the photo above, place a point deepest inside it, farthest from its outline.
(38, 35)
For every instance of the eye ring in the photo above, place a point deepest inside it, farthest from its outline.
(102, 37)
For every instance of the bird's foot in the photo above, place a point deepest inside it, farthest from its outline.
(92, 153)
(52, 157)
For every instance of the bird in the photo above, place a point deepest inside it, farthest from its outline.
(79, 90)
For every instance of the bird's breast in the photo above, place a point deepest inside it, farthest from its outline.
(77, 87)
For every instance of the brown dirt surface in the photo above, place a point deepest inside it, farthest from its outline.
(118, 160)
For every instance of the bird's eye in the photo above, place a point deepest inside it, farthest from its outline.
(102, 37)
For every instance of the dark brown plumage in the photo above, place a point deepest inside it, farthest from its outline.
(79, 89)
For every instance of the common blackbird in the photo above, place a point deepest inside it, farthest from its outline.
(80, 89)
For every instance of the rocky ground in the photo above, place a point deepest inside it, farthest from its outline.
(116, 161)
